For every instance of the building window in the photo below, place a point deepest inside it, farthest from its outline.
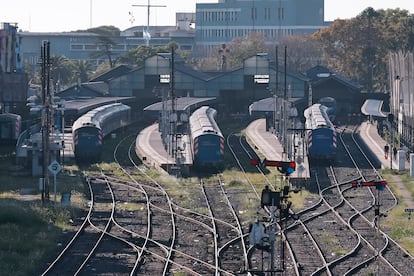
(281, 13)
(90, 47)
(267, 13)
(254, 13)
(76, 47)
(186, 47)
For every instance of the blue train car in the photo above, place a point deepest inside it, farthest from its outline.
(89, 130)
(330, 103)
(207, 140)
(320, 134)
(10, 127)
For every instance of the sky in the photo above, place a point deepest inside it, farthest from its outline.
(71, 15)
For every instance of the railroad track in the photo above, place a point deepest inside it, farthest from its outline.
(260, 260)
(355, 210)
(389, 255)
(96, 238)
(142, 229)
(229, 242)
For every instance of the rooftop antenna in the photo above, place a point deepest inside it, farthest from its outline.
(146, 33)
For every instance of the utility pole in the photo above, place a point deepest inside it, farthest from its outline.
(174, 116)
(285, 113)
(276, 89)
(147, 35)
(45, 59)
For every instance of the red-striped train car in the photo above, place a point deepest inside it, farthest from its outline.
(89, 130)
(10, 127)
(206, 138)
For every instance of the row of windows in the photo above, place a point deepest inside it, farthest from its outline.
(232, 15)
(267, 13)
(220, 15)
(118, 47)
(231, 33)
(94, 47)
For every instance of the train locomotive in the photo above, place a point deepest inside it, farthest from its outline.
(89, 130)
(207, 141)
(10, 127)
(320, 134)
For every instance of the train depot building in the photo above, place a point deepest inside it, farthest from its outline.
(234, 90)
(230, 92)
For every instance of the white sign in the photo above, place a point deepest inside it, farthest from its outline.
(55, 167)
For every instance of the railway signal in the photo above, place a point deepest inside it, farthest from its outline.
(285, 167)
(255, 162)
(380, 185)
(269, 198)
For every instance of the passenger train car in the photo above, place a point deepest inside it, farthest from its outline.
(89, 130)
(320, 134)
(10, 127)
(330, 103)
(207, 140)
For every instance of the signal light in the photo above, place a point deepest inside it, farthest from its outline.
(379, 185)
(254, 162)
(285, 167)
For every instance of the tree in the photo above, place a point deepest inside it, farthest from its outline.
(105, 42)
(137, 56)
(242, 48)
(83, 69)
(61, 70)
(358, 47)
(234, 53)
(303, 52)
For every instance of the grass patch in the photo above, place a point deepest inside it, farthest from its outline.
(28, 233)
(30, 230)
(397, 223)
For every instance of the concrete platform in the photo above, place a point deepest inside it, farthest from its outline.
(271, 148)
(150, 148)
(368, 132)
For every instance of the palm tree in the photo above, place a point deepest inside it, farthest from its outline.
(83, 69)
(61, 70)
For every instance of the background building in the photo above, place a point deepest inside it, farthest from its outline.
(13, 81)
(212, 25)
(220, 23)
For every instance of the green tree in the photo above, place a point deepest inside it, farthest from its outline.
(105, 42)
(359, 47)
(82, 69)
(137, 56)
(61, 70)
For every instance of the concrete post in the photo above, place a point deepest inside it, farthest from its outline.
(401, 160)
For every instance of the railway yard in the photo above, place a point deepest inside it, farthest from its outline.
(136, 221)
